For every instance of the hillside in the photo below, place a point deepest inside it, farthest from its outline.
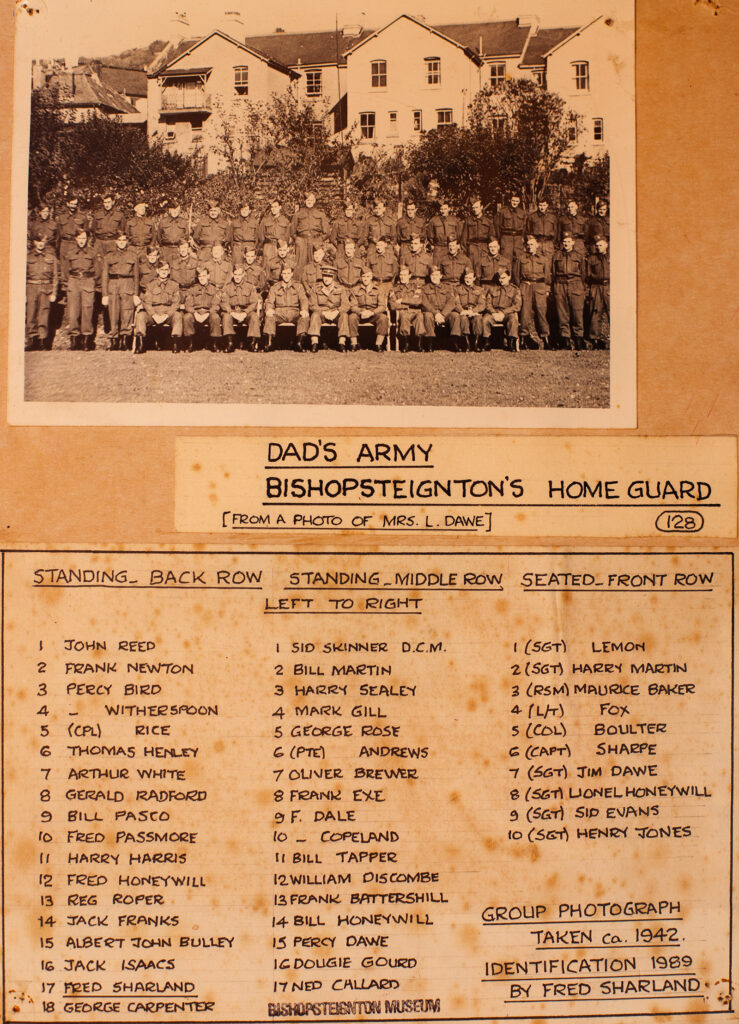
(139, 58)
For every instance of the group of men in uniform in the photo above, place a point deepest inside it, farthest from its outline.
(231, 281)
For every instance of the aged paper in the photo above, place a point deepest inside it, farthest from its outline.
(230, 795)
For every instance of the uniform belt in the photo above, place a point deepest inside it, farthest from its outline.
(130, 276)
(106, 237)
(510, 232)
(36, 280)
(78, 273)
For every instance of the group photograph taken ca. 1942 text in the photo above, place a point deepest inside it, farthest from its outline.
(324, 214)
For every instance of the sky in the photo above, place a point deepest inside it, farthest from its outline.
(92, 28)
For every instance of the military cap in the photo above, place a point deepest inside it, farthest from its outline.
(328, 268)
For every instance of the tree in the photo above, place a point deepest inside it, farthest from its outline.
(464, 162)
(532, 130)
(587, 180)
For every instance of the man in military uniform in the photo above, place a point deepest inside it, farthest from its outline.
(172, 230)
(382, 262)
(417, 260)
(42, 282)
(467, 303)
(348, 225)
(477, 231)
(406, 301)
(311, 274)
(285, 255)
(286, 303)
(575, 224)
(70, 222)
(454, 263)
(441, 229)
(240, 306)
(107, 223)
(598, 279)
(533, 276)
(491, 262)
(141, 230)
(220, 270)
(254, 272)
(502, 306)
(148, 267)
(511, 225)
(81, 270)
(184, 270)
(309, 228)
(245, 233)
(369, 305)
(328, 304)
(410, 224)
(381, 224)
(568, 273)
(202, 304)
(436, 308)
(600, 226)
(42, 224)
(275, 228)
(213, 229)
(159, 308)
(349, 265)
(120, 284)
(543, 225)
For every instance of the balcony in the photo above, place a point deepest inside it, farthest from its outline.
(188, 101)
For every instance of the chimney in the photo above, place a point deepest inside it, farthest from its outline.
(530, 21)
(351, 31)
(232, 23)
(179, 26)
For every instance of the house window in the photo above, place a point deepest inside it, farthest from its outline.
(379, 74)
(572, 130)
(367, 125)
(197, 132)
(582, 75)
(393, 122)
(497, 75)
(241, 81)
(316, 129)
(538, 77)
(170, 136)
(433, 71)
(499, 122)
(313, 83)
(417, 121)
(598, 134)
(443, 118)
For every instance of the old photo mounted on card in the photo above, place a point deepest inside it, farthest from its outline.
(320, 215)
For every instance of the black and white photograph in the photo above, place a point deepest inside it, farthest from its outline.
(324, 213)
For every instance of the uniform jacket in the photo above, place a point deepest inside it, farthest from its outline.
(121, 264)
(348, 227)
(469, 297)
(511, 222)
(331, 297)
(419, 264)
(478, 230)
(349, 271)
(382, 227)
(82, 263)
(141, 231)
(246, 229)
(275, 229)
(172, 230)
(276, 263)
(441, 229)
(384, 267)
(543, 225)
(311, 224)
(147, 273)
(375, 297)
(287, 296)
(489, 265)
(311, 275)
(161, 297)
(598, 268)
(535, 269)
(106, 224)
(208, 231)
(576, 226)
(255, 274)
(71, 223)
(568, 266)
(201, 297)
(184, 272)
(220, 273)
(436, 297)
(48, 228)
(43, 268)
(452, 267)
(242, 296)
(503, 300)
(598, 226)
(406, 296)
(406, 228)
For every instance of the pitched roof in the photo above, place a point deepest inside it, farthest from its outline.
(82, 88)
(165, 59)
(305, 47)
(429, 28)
(540, 44)
(499, 38)
(124, 80)
(572, 34)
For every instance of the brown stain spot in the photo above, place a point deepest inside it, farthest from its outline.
(196, 467)
(454, 797)
(534, 853)
(609, 22)
(489, 844)
(219, 746)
